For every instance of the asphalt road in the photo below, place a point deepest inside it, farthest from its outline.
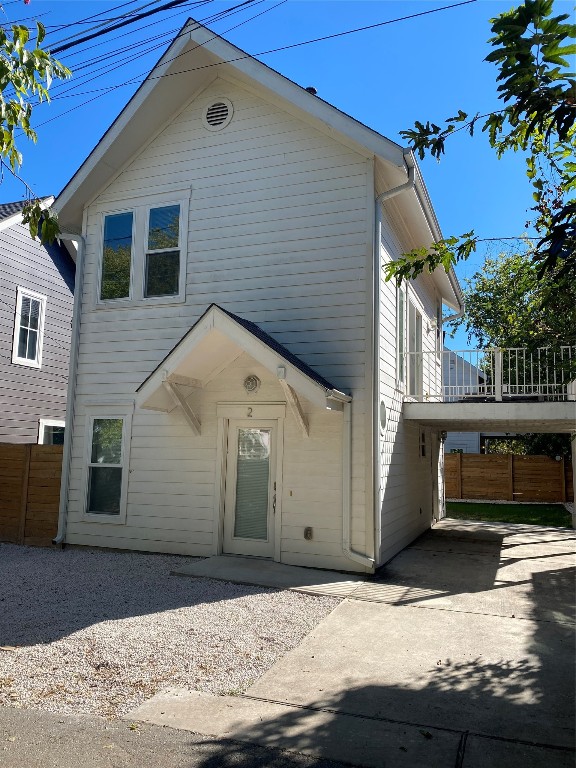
(32, 739)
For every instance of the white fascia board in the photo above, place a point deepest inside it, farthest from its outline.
(16, 218)
(214, 50)
(215, 319)
(96, 158)
(270, 359)
(310, 105)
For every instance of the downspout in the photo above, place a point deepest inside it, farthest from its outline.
(409, 184)
(67, 453)
(357, 557)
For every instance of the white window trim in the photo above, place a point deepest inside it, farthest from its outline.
(20, 293)
(107, 412)
(181, 295)
(140, 209)
(100, 302)
(410, 356)
(401, 364)
(48, 423)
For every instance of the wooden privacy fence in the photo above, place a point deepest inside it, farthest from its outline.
(507, 477)
(29, 493)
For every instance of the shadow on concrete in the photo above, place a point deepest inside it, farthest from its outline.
(469, 710)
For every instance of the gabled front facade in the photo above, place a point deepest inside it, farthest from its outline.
(239, 369)
(36, 296)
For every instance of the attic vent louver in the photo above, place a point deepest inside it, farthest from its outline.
(218, 114)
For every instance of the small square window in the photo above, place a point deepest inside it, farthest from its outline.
(28, 328)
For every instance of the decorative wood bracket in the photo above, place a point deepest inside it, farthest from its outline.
(294, 402)
(180, 400)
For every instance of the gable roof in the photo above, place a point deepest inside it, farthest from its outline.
(10, 209)
(218, 338)
(195, 58)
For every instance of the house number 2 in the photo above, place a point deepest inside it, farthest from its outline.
(249, 413)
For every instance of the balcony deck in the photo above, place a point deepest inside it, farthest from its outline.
(493, 390)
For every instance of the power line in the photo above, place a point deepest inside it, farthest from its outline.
(137, 78)
(165, 7)
(63, 91)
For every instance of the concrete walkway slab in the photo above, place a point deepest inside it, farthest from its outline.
(266, 573)
(329, 735)
(486, 674)
(465, 640)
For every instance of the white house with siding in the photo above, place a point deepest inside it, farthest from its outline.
(238, 365)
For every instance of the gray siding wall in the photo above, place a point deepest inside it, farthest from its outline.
(29, 394)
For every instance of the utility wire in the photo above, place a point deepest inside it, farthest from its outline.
(123, 23)
(67, 91)
(137, 78)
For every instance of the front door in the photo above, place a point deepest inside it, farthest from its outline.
(250, 493)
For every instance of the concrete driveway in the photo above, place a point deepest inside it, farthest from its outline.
(460, 654)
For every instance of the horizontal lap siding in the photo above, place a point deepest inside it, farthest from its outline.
(277, 233)
(406, 477)
(29, 394)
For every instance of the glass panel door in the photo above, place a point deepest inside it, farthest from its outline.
(250, 489)
(252, 484)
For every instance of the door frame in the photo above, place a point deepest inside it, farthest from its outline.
(225, 413)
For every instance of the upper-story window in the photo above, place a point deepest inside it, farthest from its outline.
(28, 328)
(400, 335)
(162, 271)
(117, 256)
(143, 255)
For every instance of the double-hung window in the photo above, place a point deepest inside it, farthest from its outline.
(117, 256)
(28, 328)
(107, 466)
(414, 351)
(143, 255)
(400, 335)
(162, 270)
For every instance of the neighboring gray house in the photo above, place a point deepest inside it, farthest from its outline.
(36, 296)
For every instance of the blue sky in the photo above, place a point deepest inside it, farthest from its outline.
(388, 77)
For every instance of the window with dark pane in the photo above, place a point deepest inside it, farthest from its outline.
(116, 256)
(105, 468)
(162, 271)
(29, 328)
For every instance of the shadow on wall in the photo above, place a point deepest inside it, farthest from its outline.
(407, 500)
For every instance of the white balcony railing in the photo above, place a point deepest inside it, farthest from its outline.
(493, 375)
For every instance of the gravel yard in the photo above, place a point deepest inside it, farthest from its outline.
(97, 632)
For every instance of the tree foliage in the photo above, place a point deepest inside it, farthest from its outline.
(532, 444)
(531, 48)
(26, 73)
(508, 306)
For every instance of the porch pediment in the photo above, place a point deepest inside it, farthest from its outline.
(216, 340)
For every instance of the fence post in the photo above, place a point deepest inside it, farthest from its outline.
(459, 476)
(510, 477)
(498, 375)
(24, 497)
(562, 479)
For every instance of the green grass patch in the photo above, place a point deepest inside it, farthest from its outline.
(555, 515)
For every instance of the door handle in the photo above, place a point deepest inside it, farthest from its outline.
(274, 504)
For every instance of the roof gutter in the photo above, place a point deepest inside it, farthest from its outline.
(77, 307)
